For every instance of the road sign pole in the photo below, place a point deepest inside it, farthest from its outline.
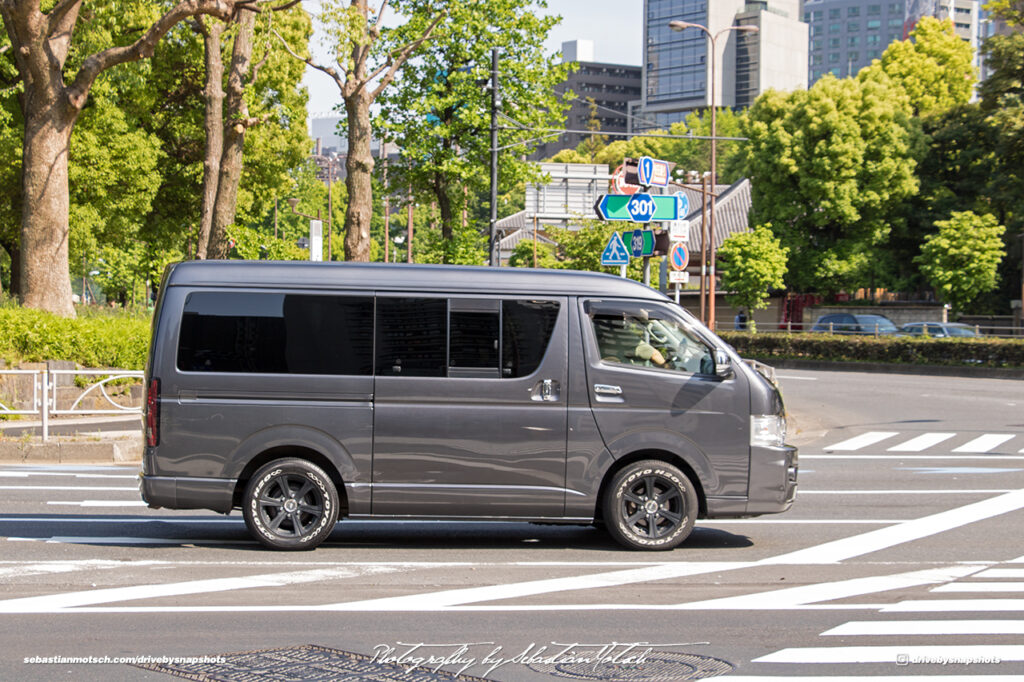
(622, 271)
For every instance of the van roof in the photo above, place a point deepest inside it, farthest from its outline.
(402, 277)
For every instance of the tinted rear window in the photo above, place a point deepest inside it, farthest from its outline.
(276, 333)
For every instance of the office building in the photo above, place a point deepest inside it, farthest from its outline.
(846, 35)
(610, 86)
(678, 69)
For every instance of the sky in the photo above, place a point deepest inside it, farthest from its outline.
(614, 26)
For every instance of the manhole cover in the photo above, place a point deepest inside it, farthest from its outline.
(299, 664)
(656, 666)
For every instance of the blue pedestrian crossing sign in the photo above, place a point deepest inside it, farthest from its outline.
(615, 252)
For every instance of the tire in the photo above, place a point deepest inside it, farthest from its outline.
(290, 504)
(650, 505)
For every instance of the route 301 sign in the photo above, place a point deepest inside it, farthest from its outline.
(641, 207)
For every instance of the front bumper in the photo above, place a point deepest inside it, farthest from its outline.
(773, 475)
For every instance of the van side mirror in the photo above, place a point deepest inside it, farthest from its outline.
(723, 365)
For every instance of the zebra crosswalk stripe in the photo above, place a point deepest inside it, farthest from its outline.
(863, 440)
(984, 443)
(922, 442)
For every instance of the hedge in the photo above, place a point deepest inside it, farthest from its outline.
(98, 340)
(972, 352)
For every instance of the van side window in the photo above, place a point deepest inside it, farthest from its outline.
(276, 333)
(412, 337)
(526, 332)
(644, 337)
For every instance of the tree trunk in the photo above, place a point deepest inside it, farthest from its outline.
(213, 96)
(234, 137)
(444, 202)
(44, 282)
(359, 165)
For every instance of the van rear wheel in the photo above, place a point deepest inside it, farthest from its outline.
(290, 504)
(650, 505)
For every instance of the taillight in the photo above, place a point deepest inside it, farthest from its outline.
(153, 413)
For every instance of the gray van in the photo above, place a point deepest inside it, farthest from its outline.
(302, 393)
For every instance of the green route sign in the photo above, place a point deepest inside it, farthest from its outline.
(616, 207)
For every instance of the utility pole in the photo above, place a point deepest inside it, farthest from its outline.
(495, 103)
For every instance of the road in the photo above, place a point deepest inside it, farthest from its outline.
(902, 556)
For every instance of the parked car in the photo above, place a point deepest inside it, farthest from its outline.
(940, 330)
(850, 323)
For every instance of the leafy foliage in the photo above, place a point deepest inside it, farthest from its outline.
(961, 258)
(107, 340)
(438, 113)
(933, 67)
(829, 167)
(751, 263)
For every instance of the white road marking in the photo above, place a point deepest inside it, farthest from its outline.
(981, 587)
(863, 440)
(889, 654)
(922, 442)
(774, 521)
(133, 489)
(21, 569)
(107, 519)
(128, 540)
(876, 678)
(900, 458)
(793, 378)
(908, 531)
(843, 589)
(872, 628)
(958, 605)
(984, 443)
(99, 503)
(52, 603)
(1002, 572)
(987, 491)
(433, 601)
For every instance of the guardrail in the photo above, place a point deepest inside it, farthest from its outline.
(48, 385)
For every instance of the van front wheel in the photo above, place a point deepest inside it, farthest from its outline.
(650, 505)
(290, 504)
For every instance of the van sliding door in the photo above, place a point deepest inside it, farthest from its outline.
(470, 406)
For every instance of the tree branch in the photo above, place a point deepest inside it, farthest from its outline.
(309, 62)
(393, 65)
(97, 63)
(59, 26)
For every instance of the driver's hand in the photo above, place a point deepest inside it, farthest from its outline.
(646, 351)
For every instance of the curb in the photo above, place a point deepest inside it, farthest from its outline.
(71, 452)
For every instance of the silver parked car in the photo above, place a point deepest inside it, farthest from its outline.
(940, 330)
(302, 393)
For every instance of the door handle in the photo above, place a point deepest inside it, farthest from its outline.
(546, 391)
(607, 389)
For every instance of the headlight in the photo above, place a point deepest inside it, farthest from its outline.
(767, 430)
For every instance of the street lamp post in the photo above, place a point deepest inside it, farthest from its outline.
(681, 26)
(293, 202)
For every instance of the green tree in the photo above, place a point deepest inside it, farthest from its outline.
(366, 63)
(961, 258)
(50, 103)
(751, 263)
(830, 167)
(438, 113)
(933, 67)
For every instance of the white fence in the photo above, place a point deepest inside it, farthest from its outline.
(57, 392)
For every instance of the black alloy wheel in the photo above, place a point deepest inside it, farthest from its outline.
(650, 505)
(290, 504)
